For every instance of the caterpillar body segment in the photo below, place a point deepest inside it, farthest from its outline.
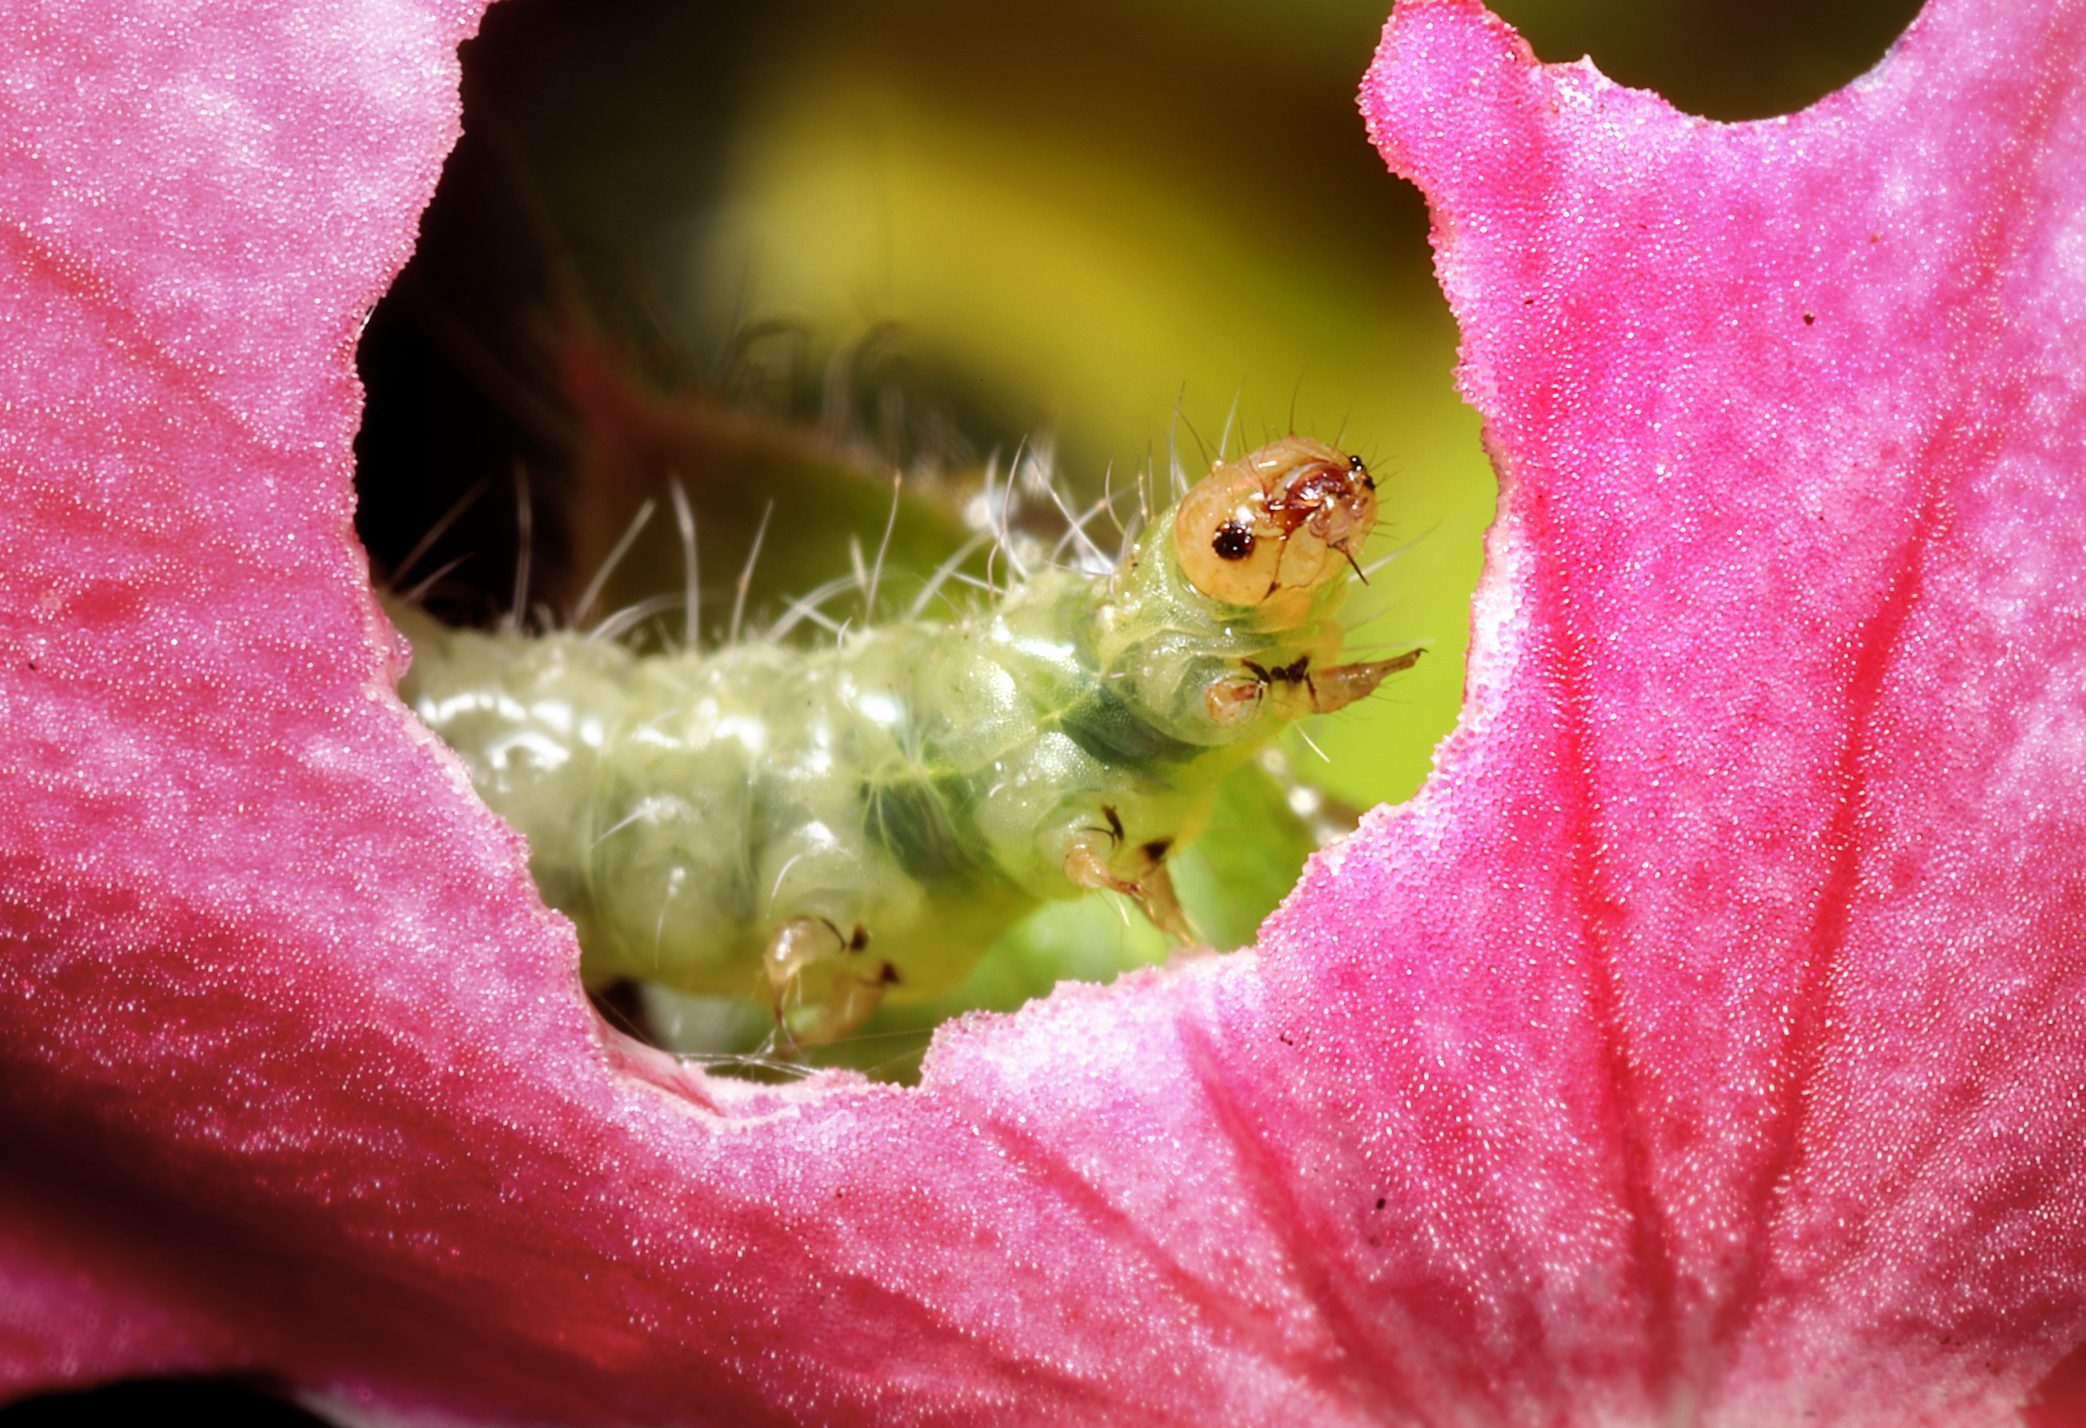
(834, 828)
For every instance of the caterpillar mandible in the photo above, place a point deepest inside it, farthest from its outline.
(828, 829)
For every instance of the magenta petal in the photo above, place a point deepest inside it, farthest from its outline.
(1788, 662)
(1706, 1039)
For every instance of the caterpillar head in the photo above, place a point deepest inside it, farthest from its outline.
(1273, 529)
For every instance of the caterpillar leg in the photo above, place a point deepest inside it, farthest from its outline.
(823, 987)
(1087, 865)
(1343, 684)
(1297, 689)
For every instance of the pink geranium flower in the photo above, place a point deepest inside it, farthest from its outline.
(1704, 1044)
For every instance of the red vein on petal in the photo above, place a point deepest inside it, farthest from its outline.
(1392, 1381)
(1652, 1266)
(1815, 1018)
(1962, 446)
(1051, 1172)
(1056, 1176)
(1026, 1372)
(82, 281)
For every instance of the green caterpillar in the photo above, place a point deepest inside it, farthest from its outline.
(828, 829)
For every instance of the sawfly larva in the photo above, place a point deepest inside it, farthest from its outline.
(827, 829)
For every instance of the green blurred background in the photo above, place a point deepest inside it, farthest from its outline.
(779, 252)
(1076, 217)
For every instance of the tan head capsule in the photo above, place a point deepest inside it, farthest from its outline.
(1271, 528)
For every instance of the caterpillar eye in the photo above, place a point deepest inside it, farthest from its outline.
(1234, 541)
(1229, 546)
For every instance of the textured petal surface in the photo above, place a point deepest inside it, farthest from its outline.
(1703, 1045)
(1789, 423)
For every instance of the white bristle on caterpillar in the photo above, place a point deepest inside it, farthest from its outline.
(826, 829)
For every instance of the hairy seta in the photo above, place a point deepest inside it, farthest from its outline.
(828, 829)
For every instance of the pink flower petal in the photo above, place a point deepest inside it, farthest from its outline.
(1788, 416)
(1706, 1039)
